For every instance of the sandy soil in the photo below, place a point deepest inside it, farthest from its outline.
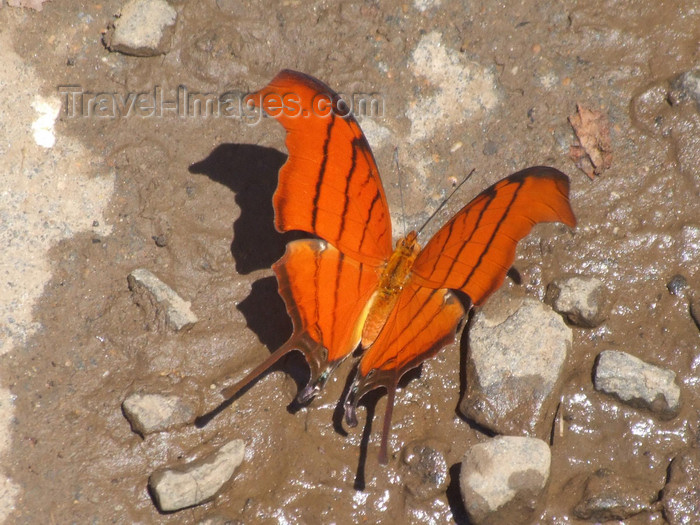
(479, 85)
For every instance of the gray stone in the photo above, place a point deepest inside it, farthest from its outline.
(196, 482)
(681, 495)
(637, 383)
(149, 413)
(502, 479)
(177, 311)
(608, 496)
(685, 86)
(514, 363)
(677, 285)
(143, 28)
(424, 470)
(582, 300)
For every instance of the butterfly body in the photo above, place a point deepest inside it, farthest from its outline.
(392, 280)
(348, 287)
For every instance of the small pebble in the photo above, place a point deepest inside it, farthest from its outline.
(637, 383)
(177, 311)
(516, 355)
(502, 479)
(160, 240)
(685, 86)
(681, 495)
(424, 470)
(198, 481)
(677, 285)
(608, 496)
(582, 300)
(490, 148)
(149, 413)
(143, 28)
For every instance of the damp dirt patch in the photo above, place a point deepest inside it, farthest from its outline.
(192, 203)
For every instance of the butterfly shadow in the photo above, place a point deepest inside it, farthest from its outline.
(251, 172)
(369, 401)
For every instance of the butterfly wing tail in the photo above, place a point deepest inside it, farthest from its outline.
(233, 390)
(325, 294)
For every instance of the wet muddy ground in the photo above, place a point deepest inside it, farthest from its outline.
(478, 85)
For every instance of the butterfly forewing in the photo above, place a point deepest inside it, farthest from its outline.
(329, 185)
(475, 249)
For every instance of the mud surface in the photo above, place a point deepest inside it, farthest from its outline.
(192, 203)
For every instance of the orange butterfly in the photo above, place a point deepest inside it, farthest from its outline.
(349, 287)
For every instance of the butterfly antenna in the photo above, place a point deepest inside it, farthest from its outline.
(398, 169)
(465, 179)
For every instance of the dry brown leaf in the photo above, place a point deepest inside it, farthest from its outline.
(32, 4)
(593, 154)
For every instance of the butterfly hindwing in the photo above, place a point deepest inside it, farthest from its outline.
(423, 321)
(325, 293)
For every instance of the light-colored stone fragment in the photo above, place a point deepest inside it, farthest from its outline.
(196, 482)
(149, 413)
(462, 87)
(43, 127)
(581, 299)
(502, 479)
(513, 367)
(177, 311)
(143, 28)
(638, 383)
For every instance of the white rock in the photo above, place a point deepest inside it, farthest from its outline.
(143, 28)
(638, 383)
(513, 366)
(149, 413)
(581, 299)
(462, 87)
(198, 481)
(177, 311)
(43, 127)
(506, 474)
